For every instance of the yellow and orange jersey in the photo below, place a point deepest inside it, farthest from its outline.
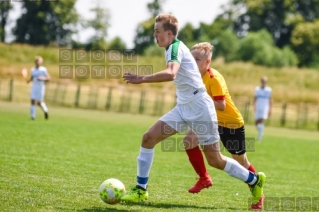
(217, 88)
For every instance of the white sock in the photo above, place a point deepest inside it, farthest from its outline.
(144, 163)
(234, 169)
(260, 128)
(32, 111)
(44, 107)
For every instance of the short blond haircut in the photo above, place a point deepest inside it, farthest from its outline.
(169, 22)
(38, 58)
(204, 48)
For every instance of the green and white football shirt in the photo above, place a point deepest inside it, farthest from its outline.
(188, 80)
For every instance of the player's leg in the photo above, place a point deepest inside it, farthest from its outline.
(259, 121)
(42, 104)
(44, 109)
(206, 129)
(161, 130)
(234, 169)
(234, 141)
(196, 158)
(32, 109)
(260, 128)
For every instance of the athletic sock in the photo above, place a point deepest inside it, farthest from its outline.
(44, 107)
(260, 128)
(196, 158)
(144, 163)
(32, 111)
(252, 168)
(234, 169)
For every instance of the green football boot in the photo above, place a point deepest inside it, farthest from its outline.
(136, 194)
(257, 192)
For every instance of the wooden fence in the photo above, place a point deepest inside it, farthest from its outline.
(151, 102)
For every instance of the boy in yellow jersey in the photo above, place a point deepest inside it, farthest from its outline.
(230, 122)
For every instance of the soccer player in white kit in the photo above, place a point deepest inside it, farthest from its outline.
(195, 109)
(39, 75)
(262, 103)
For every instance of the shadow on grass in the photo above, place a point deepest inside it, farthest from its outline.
(175, 206)
(154, 205)
(102, 209)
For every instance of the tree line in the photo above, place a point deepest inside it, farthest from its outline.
(273, 33)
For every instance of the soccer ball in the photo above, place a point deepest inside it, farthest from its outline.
(111, 191)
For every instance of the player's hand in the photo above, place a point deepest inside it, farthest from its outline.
(42, 78)
(24, 73)
(269, 113)
(132, 78)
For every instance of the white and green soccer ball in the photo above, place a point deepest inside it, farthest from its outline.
(111, 191)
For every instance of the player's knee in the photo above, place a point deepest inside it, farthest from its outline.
(148, 138)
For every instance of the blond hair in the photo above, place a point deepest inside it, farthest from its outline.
(169, 22)
(38, 58)
(204, 48)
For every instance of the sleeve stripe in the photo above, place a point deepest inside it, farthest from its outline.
(219, 97)
(174, 61)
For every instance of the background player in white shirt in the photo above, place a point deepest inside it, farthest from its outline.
(39, 75)
(262, 104)
(195, 109)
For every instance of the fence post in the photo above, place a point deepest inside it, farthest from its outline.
(283, 115)
(56, 93)
(10, 90)
(77, 96)
(246, 112)
(305, 116)
(92, 100)
(142, 102)
(109, 99)
(125, 102)
(63, 94)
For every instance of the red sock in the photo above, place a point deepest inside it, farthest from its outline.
(251, 168)
(196, 158)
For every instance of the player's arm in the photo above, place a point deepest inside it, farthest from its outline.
(270, 104)
(255, 99)
(46, 77)
(30, 80)
(220, 104)
(218, 92)
(168, 74)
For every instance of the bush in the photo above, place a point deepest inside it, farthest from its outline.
(226, 46)
(154, 50)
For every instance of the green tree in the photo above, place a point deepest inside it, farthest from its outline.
(278, 17)
(45, 22)
(100, 24)
(5, 7)
(144, 33)
(116, 43)
(226, 45)
(187, 34)
(305, 42)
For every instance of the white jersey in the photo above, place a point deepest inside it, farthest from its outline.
(38, 86)
(38, 72)
(262, 96)
(188, 80)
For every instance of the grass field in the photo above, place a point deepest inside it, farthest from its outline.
(58, 165)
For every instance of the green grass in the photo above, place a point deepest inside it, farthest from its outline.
(58, 165)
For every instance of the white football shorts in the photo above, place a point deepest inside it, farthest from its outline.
(198, 115)
(261, 114)
(37, 94)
